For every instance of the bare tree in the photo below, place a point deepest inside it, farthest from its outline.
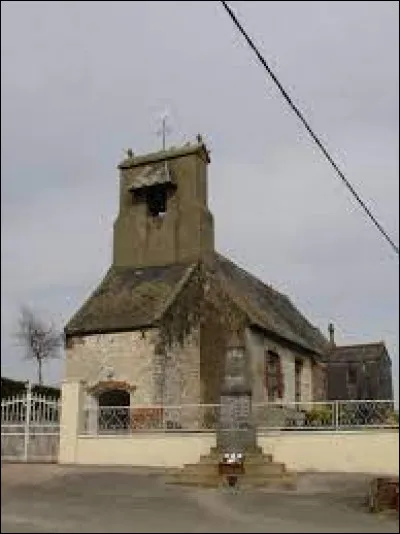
(42, 341)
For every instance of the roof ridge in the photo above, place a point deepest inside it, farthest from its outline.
(357, 345)
(246, 272)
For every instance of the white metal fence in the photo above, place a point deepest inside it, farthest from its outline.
(334, 416)
(330, 415)
(30, 428)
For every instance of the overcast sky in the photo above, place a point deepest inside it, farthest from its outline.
(82, 81)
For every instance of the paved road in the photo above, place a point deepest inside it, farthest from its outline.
(55, 499)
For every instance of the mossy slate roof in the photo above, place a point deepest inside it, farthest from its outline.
(360, 352)
(135, 298)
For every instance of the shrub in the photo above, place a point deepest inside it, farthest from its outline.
(319, 417)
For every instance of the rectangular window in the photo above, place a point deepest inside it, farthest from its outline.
(352, 376)
(273, 376)
(298, 368)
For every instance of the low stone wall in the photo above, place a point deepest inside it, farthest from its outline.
(374, 451)
(365, 451)
(156, 449)
(361, 451)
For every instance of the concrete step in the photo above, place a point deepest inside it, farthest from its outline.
(249, 458)
(260, 470)
(264, 468)
(215, 453)
(206, 468)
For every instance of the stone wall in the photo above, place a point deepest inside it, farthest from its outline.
(132, 358)
(307, 380)
(212, 354)
(373, 379)
(257, 344)
(178, 377)
(359, 451)
(320, 381)
(299, 451)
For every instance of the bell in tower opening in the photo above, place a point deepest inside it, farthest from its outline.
(157, 200)
(153, 186)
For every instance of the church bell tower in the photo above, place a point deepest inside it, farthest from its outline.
(163, 213)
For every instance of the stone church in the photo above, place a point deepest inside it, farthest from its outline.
(157, 325)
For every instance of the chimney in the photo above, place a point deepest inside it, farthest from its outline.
(331, 330)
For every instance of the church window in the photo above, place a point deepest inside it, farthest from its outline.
(273, 376)
(298, 372)
(352, 376)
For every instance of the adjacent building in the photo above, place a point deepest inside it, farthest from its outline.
(358, 371)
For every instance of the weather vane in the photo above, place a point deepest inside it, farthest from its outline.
(164, 128)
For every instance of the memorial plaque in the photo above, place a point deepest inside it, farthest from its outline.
(236, 433)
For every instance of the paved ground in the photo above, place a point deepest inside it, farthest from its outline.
(44, 498)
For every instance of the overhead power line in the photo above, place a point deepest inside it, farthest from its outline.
(309, 129)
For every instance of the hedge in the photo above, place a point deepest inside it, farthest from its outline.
(11, 388)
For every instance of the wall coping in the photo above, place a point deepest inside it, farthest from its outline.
(142, 435)
(272, 433)
(361, 431)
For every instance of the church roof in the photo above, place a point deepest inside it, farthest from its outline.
(134, 298)
(127, 298)
(360, 352)
(270, 309)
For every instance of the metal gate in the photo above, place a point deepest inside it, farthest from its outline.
(30, 428)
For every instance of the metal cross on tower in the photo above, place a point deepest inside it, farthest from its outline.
(164, 128)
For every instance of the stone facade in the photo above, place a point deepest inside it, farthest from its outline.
(359, 378)
(319, 381)
(182, 376)
(357, 371)
(257, 345)
(131, 357)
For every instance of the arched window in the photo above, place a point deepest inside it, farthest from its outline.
(112, 406)
(273, 376)
(114, 397)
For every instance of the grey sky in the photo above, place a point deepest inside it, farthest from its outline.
(81, 81)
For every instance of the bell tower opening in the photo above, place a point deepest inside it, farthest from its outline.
(156, 199)
(154, 188)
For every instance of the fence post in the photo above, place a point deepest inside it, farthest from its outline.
(336, 415)
(27, 420)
